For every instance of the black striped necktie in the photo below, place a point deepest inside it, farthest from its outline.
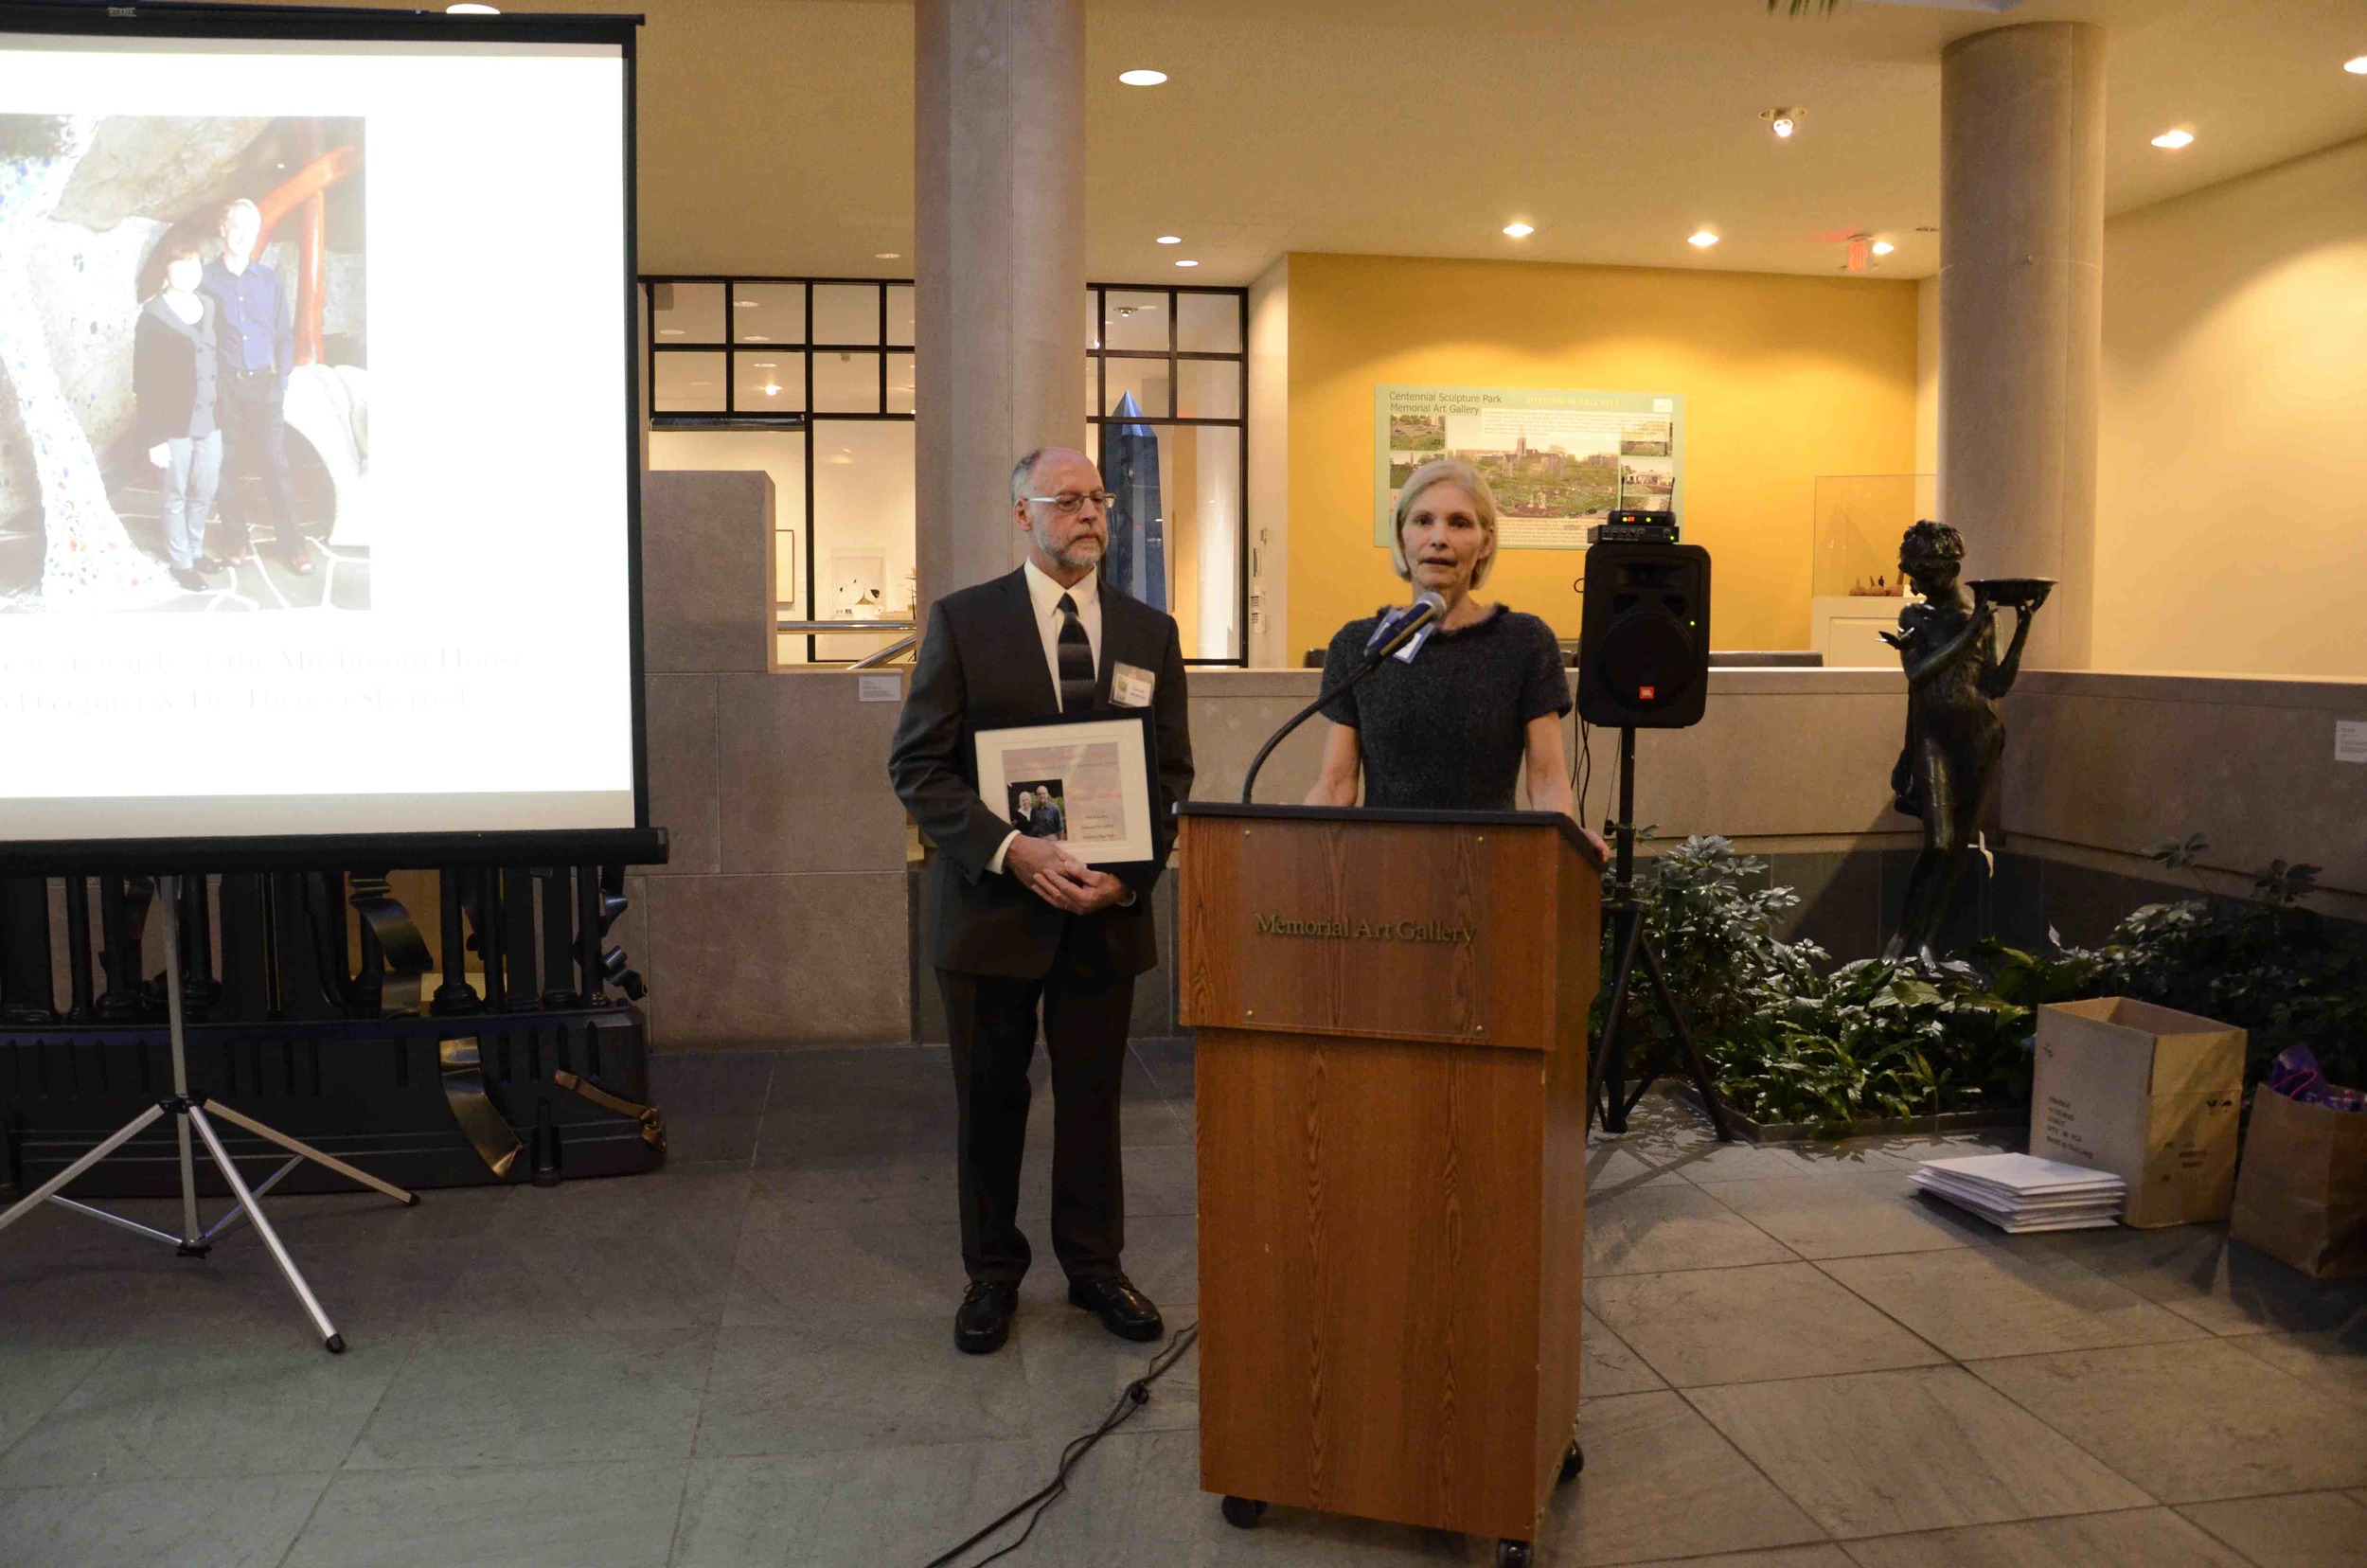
(1077, 660)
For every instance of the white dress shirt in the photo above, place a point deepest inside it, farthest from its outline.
(1044, 593)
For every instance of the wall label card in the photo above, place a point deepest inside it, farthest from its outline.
(2350, 739)
(1557, 461)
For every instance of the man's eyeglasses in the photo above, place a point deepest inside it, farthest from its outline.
(1069, 503)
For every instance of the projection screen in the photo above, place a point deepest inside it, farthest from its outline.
(408, 240)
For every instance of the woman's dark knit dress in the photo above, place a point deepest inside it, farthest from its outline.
(1446, 733)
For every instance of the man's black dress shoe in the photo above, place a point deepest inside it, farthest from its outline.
(1123, 1310)
(208, 566)
(187, 579)
(984, 1320)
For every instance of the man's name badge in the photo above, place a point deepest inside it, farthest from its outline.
(1129, 686)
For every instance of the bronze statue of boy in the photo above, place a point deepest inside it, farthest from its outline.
(1955, 733)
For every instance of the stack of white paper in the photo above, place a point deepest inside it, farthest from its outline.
(2021, 1192)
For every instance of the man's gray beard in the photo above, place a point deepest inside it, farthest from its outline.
(1066, 559)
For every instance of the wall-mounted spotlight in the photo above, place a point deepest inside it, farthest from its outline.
(1783, 122)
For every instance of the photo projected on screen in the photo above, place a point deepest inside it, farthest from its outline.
(317, 468)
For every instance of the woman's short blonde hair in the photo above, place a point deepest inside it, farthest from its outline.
(1445, 470)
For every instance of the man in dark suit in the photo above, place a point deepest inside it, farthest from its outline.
(254, 345)
(1019, 922)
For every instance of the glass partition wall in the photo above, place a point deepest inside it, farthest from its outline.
(1177, 455)
(811, 379)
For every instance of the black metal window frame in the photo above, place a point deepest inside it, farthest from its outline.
(1097, 416)
(802, 421)
(733, 418)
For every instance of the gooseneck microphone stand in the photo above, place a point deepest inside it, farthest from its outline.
(1607, 1063)
(1426, 609)
(188, 1111)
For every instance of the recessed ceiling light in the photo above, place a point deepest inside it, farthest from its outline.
(1142, 79)
(887, 255)
(1187, 263)
(1520, 231)
(1170, 238)
(1883, 247)
(1702, 238)
(671, 331)
(2173, 139)
(771, 391)
(2357, 65)
(753, 337)
(744, 304)
(473, 11)
(1782, 121)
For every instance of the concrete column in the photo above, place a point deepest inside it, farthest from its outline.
(998, 194)
(2021, 312)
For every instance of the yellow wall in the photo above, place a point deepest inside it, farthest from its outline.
(1784, 379)
(2232, 485)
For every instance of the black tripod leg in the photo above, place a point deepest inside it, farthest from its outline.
(1693, 1064)
(1608, 1068)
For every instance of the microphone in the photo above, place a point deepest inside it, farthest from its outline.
(1400, 632)
(1400, 636)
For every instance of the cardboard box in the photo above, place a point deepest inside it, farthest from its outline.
(2303, 1195)
(2151, 1094)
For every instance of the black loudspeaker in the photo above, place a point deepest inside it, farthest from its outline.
(1643, 650)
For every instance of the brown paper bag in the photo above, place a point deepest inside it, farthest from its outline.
(2301, 1197)
(2148, 1093)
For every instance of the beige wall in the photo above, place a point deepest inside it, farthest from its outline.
(2097, 766)
(2232, 524)
(1927, 376)
(782, 917)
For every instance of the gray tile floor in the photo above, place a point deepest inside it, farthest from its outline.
(746, 1360)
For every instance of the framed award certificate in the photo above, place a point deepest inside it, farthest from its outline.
(1085, 782)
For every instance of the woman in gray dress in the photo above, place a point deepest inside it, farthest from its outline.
(1460, 727)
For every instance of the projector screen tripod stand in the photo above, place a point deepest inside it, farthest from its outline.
(190, 1113)
(1606, 1064)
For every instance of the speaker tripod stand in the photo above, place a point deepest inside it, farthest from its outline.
(1606, 1064)
(190, 1112)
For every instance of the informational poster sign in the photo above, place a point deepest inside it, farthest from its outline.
(1557, 461)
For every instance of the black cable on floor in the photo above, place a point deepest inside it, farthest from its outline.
(1137, 1394)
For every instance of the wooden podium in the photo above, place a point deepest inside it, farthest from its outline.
(1391, 1009)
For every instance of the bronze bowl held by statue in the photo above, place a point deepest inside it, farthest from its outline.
(2018, 593)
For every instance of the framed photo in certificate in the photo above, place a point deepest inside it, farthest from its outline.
(1082, 781)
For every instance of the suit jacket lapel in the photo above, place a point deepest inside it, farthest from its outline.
(1028, 644)
(1112, 627)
